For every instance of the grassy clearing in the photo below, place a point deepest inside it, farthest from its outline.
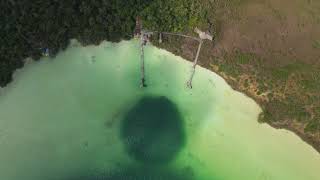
(297, 103)
(316, 44)
(283, 73)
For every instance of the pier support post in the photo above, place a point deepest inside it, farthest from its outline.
(142, 80)
(160, 38)
(189, 83)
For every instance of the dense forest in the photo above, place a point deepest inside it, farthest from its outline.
(28, 27)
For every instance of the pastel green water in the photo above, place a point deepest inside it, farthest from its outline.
(81, 116)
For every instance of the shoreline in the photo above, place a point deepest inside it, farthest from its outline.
(86, 96)
(306, 138)
(303, 137)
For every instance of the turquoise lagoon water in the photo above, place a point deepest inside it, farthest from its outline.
(82, 115)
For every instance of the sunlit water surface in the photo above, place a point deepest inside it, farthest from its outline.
(83, 116)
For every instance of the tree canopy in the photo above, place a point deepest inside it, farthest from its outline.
(26, 26)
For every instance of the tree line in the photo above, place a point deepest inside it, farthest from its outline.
(27, 26)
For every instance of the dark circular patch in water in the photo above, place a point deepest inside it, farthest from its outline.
(152, 130)
(144, 173)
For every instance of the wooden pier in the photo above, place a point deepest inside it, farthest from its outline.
(142, 79)
(193, 70)
(144, 36)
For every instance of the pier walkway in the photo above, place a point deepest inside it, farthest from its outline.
(144, 37)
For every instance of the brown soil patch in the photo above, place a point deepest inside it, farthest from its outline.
(278, 31)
